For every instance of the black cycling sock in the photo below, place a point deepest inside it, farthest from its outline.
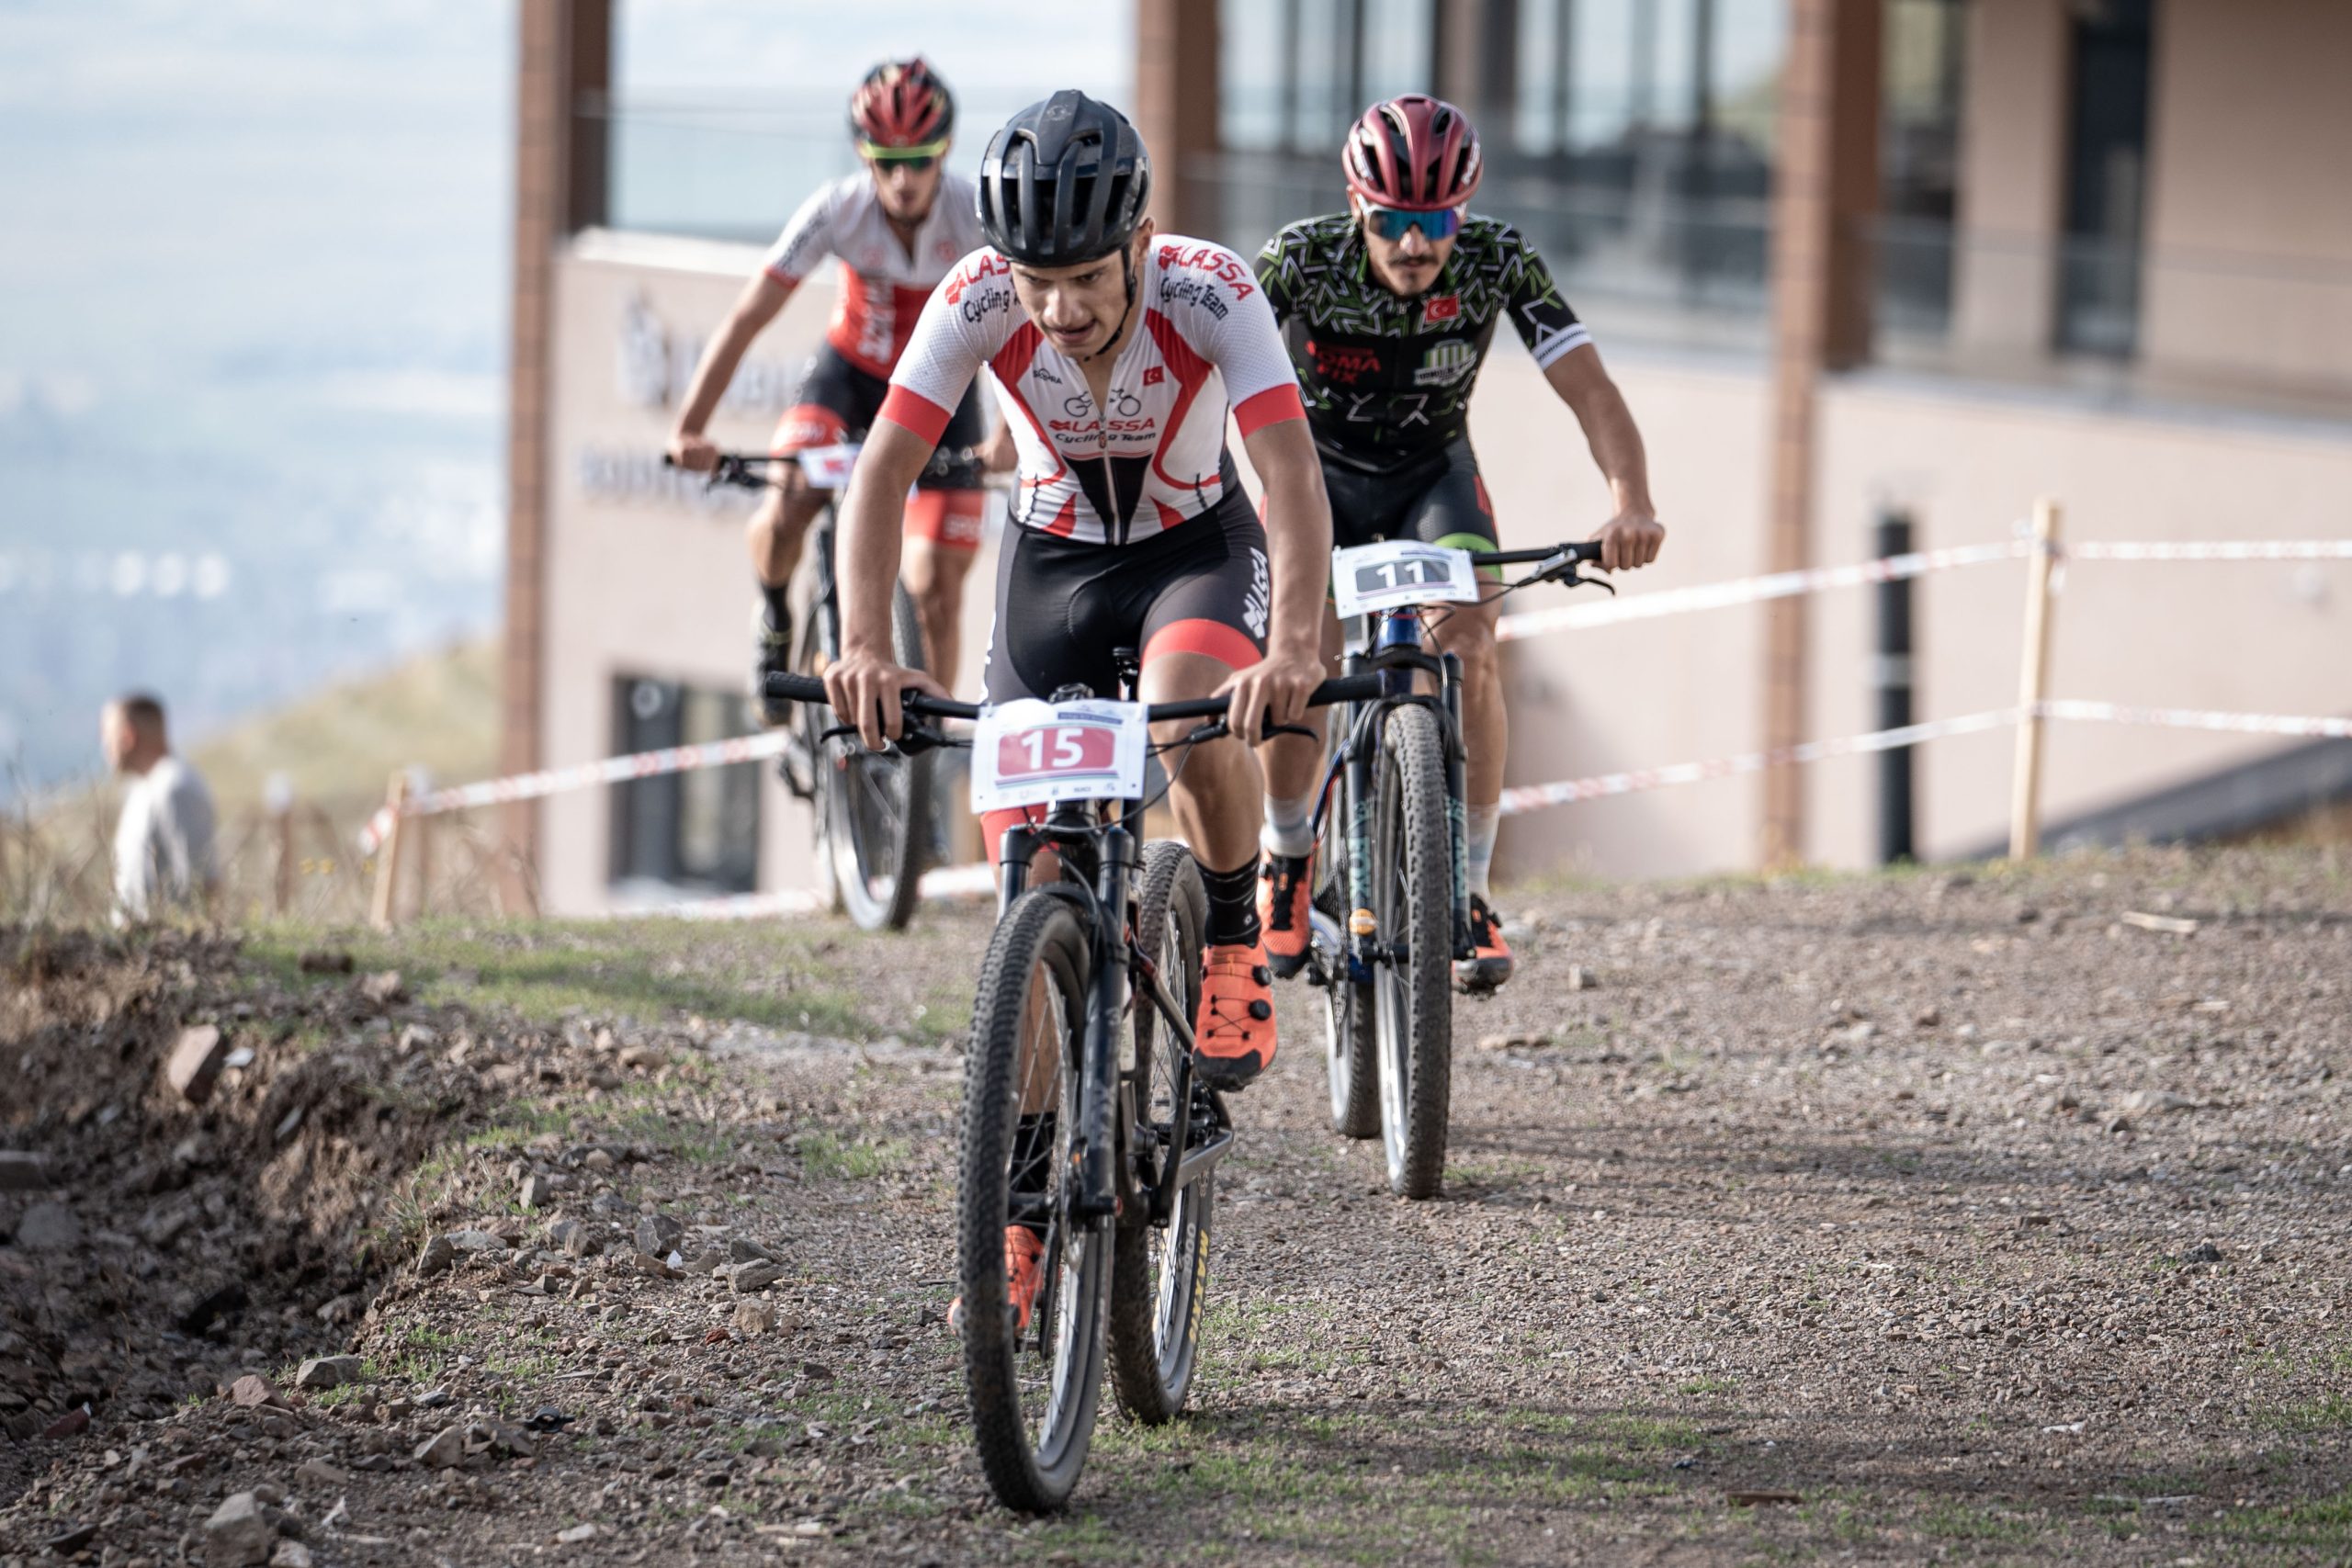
(779, 602)
(1233, 904)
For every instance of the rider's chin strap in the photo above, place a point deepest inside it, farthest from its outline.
(1126, 271)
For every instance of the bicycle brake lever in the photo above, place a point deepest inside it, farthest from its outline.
(1274, 729)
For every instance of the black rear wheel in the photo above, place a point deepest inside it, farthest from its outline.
(874, 811)
(1033, 1392)
(1160, 1283)
(1413, 997)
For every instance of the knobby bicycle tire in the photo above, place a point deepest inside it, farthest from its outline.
(1159, 1280)
(1413, 897)
(879, 865)
(1040, 936)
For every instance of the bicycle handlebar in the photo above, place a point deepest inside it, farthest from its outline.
(1342, 689)
(1582, 549)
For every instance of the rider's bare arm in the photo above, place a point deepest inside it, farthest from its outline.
(1298, 543)
(865, 684)
(762, 298)
(1633, 536)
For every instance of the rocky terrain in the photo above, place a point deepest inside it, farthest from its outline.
(1979, 1216)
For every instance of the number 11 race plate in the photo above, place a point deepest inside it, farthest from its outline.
(1400, 572)
(1034, 753)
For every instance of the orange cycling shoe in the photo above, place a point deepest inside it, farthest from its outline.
(1285, 892)
(1024, 1274)
(1489, 963)
(1233, 1037)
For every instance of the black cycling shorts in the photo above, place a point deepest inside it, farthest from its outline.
(1063, 607)
(1439, 500)
(837, 403)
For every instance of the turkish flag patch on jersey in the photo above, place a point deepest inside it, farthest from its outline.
(1153, 374)
(1442, 307)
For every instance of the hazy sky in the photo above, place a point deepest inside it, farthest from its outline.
(253, 299)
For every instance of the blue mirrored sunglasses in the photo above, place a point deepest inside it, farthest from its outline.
(1396, 223)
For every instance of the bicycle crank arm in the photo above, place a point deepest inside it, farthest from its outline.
(1199, 1162)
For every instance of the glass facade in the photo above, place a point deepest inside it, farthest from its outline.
(1632, 139)
(699, 829)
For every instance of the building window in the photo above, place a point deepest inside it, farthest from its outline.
(1920, 164)
(698, 830)
(1630, 139)
(2106, 164)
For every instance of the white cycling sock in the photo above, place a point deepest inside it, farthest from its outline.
(1290, 827)
(1483, 822)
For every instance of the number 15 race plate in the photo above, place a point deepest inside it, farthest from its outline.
(1400, 572)
(1034, 753)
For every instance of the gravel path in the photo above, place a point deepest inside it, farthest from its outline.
(1935, 1217)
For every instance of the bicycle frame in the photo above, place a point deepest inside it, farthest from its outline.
(1396, 654)
(1106, 1100)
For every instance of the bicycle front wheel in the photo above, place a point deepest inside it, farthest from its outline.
(1351, 1047)
(1034, 1390)
(876, 811)
(1160, 1283)
(1412, 993)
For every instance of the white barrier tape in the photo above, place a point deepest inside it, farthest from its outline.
(1753, 590)
(2197, 718)
(1533, 797)
(2286, 549)
(555, 780)
(975, 881)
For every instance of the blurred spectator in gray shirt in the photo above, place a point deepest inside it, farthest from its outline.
(163, 845)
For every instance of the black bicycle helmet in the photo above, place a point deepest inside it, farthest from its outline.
(1064, 182)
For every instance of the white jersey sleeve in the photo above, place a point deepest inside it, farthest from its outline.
(1225, 314)
(807, 240)
(964, 324)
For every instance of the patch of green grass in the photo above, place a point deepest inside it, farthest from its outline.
(1709, 1384)
(828, 1154)
(1958, 1521)
(2330, 1412)
(2324, 1522)
(812, 975)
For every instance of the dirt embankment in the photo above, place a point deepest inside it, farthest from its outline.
(1975, 1217)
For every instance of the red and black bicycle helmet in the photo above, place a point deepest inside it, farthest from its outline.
(1415, 152)
(901, 104)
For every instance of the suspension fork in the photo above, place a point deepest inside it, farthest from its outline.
(1095, 1151)
(1356, 797)
(1457, 795)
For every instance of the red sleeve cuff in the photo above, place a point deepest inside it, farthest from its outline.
(912, 410)
(1272, 406)
(787, 279)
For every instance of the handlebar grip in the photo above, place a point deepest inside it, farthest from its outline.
(1345, 689)
(1582, 549)
(923, 706)
(787, 687)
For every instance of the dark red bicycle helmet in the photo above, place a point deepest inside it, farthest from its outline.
(901, 104)
(1415, 152)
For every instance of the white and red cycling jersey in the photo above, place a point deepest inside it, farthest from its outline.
(1206, 340)
(883, 285)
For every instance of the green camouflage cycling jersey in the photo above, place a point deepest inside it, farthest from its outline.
(1387, 379)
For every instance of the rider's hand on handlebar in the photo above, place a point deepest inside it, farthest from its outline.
(696, 452)
(1281, 681)
(1630, 539)
(866, 690)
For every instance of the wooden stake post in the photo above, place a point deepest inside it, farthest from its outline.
(388, 854)
(2033, 685)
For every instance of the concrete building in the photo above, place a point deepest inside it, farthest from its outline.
(1844, 256)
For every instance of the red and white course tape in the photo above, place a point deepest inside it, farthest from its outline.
(1532, 798)
(2198, 718)
(1752, 589)
(2234, 549)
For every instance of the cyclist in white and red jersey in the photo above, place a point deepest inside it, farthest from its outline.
(1117, 353)
(896, 227)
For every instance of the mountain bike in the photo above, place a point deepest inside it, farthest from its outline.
(872, 808)
(1393, 909)
(1083, 1120)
